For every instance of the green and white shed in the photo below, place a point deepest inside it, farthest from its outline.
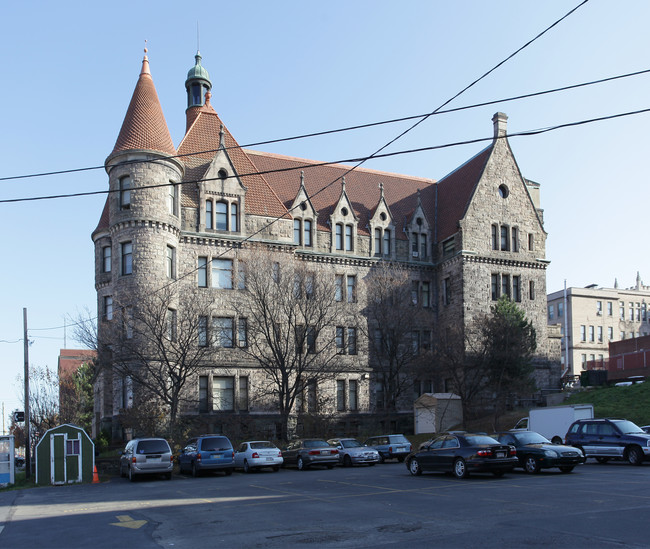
(65, 454)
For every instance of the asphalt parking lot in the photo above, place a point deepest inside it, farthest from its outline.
(382, 506)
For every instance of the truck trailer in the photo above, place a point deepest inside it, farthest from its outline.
(554, 422)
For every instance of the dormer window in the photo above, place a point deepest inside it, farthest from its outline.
(302, 232)
(233, 217)
(221, 216)
(208, 214)
(348, 238)
(307, 232)
(339, 236)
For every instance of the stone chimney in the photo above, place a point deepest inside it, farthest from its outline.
(500, 121)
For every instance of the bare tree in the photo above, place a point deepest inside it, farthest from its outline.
(394, 324)
(43, 401)
(291, 315)
(157, 344)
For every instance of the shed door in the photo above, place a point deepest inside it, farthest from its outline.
(57, 458)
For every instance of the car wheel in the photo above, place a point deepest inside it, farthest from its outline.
(381, 457)
(635, 455)
(602, 459)
(498, 474)
(131, 475)
(401, 459)
(247, 468)
(228, 472)
(531, 465)
(195, 471)
(414, 467)
(371, 464)
(122, 472)
(460, 468)
(301, 464)
(168, 476)
(330, 466)
(347, 461)
(276, 468)
(556, 440)
(566, 469)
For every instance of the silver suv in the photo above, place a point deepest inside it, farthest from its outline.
(146, 456)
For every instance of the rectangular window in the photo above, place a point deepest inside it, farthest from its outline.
(312, 395)
(600, 334)
(516, 288)
(531, 289)
(425, 342)
(448, 247)
(599, 308)
(610, 308)
(171, 324)
(127, 258)
(340, 339)
(515, 239)
(505, 240)
(338, 291)
(426, 294)
(583, 333)
(531, 241)
(172, 199)
(203, 331)
(128, 322)
(494, 287)
(242, 333)
(170, 263)
(583, 357)
(621, 310)
(610, 333)
(352, 341)
(380, 396)
(222, 274)
(495, 237)
(241, 275)
(208, 214)
(311, 340)
(423, 246)
(415, 244)
(348, 238)
(446, 291)
(108, 307)
(296, 231)
(415, 342)
(340, 395)
(377, 241)
(591, 334)
(339, 236)
(221, 216)
(72, 447)
(234, 224)
(242, 402)
(386, 242)
(203, 394)
(352, 289)
(505, 285)
(223, 394)
(202, 272)
(106, 259)
(415, 287)
(560, 310)
(621, 335)
(222, 331)
(551, 312)
(307, 232)
(353, 398)
(125, 193)
(631, 311)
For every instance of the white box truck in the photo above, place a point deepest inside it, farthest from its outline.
(554, 422)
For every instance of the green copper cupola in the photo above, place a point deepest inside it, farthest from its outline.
(197, 83)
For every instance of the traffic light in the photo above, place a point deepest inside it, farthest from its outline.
(19, 417)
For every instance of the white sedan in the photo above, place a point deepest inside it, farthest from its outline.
(257, 454)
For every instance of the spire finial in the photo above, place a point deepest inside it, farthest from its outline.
(222, 141)
(302, 178)
(145, 61)
(381, 190)
(343, 184)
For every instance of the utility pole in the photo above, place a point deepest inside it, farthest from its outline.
(28, 465)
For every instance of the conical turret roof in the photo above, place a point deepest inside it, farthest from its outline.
(144, 125)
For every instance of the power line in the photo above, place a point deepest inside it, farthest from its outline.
(377, 153)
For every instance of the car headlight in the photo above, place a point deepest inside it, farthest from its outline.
(550, 453)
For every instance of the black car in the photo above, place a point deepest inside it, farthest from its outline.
(536, 452)
(606, 439)
(461, 454)
(304, 453)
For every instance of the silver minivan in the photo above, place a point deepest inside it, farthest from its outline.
(146, 456)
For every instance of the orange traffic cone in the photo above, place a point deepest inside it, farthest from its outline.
(95, 476)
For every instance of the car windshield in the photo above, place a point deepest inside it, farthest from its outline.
(531, 438)
(314, 443)
(260, 445)
(479, 440)
(215, 443)
(153, 447)
(628, 428)
(351, 443)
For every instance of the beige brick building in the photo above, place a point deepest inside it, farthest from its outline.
(592, 317)
(467, 239)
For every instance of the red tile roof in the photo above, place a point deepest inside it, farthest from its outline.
(455, 192)
(144, 125)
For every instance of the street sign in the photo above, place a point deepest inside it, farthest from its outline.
(19, 417)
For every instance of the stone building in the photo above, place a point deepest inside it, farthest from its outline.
(185, 214)
(593, 317)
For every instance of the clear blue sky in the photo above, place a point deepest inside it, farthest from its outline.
(285, 68)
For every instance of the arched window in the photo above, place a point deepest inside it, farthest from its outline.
(221, 216)
(208, 214)
(307, 229)
(233, 218)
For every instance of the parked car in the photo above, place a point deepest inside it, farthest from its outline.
(146, 456)
(307, 452)
(352, 452)
(536, 452)
(19, 461)
(461, 454)
(606, 439)
(257, 454)
(207, 453)
(645, 428)
(390, 446)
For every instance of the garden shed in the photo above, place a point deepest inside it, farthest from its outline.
(65, 454)
(437, 412)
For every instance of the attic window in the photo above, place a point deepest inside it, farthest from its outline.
(419, 221)
(503, 191)
(223, 174)
(344, 211)
(303, 206)
(382, 216)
